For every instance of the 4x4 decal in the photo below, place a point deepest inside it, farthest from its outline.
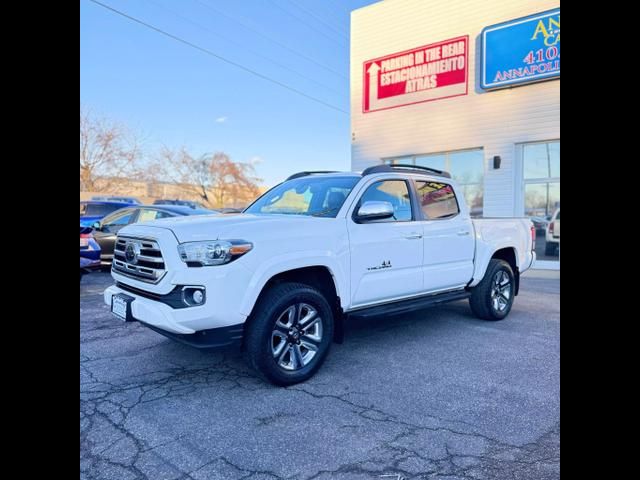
(385, 264)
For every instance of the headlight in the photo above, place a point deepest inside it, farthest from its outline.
(215, 252)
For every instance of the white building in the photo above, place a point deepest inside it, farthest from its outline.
(431, 85)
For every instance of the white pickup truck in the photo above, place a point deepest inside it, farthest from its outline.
(279, 279)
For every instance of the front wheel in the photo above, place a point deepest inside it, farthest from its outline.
(289, 333)
(492, 298)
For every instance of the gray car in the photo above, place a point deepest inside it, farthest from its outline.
(106, 230)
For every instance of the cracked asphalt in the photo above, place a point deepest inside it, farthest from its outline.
(435, 394)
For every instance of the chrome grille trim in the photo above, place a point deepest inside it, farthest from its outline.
(149, 265)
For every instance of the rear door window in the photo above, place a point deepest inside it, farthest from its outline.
(437, 199)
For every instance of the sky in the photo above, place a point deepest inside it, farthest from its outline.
(173, 94)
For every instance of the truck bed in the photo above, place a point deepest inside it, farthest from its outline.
(495, 233)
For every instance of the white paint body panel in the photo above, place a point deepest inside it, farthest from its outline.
(448, 252)
(375, 243)
(440, 260)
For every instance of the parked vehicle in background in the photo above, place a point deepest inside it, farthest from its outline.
(540, 223)
(278, 279)
(105, 231)
(89, 252)
(229, 210)
(186, 203)
(92, 211)
(131, 200)
(552, 247)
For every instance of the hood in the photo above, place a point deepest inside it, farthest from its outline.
(213, 227)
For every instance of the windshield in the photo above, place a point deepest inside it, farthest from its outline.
(316, 196)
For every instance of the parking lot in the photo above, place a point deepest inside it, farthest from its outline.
(435, 394)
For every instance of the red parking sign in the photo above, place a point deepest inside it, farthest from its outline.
(422, 74)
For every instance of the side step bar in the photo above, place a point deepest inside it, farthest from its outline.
(409, 305)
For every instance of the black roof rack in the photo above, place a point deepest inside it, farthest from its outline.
(404, 167)
(304, 174)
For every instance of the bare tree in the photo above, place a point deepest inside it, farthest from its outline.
(107, 151)
(214, 179)
(231, 180)
(179, 167)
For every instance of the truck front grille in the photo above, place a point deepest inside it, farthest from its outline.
(139, 258)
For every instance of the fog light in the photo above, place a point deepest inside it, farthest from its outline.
(192, 296)
(198, 296)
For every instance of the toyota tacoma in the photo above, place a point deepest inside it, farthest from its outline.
(279, 279)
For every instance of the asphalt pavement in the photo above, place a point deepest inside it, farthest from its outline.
(435, 394)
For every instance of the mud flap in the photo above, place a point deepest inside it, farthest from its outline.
(338, 327)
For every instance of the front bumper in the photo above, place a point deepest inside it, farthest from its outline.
(221, 337)
(183, 324)
(181, 321)
(154, 303)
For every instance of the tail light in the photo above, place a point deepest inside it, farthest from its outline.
(533, 237)
(551, 227)
(84, 240)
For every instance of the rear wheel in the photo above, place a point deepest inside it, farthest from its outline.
(492, 298)
(289, 333)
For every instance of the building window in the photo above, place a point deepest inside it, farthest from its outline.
(465, 166)
(541, 175)
(541, 168)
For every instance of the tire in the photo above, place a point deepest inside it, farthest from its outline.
(550, 248)
(272, 339)
(487, 301)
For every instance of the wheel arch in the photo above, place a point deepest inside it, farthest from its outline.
(319, 277)
(509, 255)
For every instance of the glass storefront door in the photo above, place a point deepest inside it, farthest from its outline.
(541, 181)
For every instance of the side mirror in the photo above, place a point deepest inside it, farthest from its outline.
(96, 225)
(374, 211)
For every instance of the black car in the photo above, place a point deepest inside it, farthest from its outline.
(105, 230)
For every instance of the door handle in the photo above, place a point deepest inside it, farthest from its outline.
(413, 236)
(463, 232)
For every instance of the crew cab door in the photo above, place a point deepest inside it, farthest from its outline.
(386, 255)
(448, 237)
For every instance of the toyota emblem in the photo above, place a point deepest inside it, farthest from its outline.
(131, 252)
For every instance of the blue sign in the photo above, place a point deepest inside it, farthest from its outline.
(521, 51)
